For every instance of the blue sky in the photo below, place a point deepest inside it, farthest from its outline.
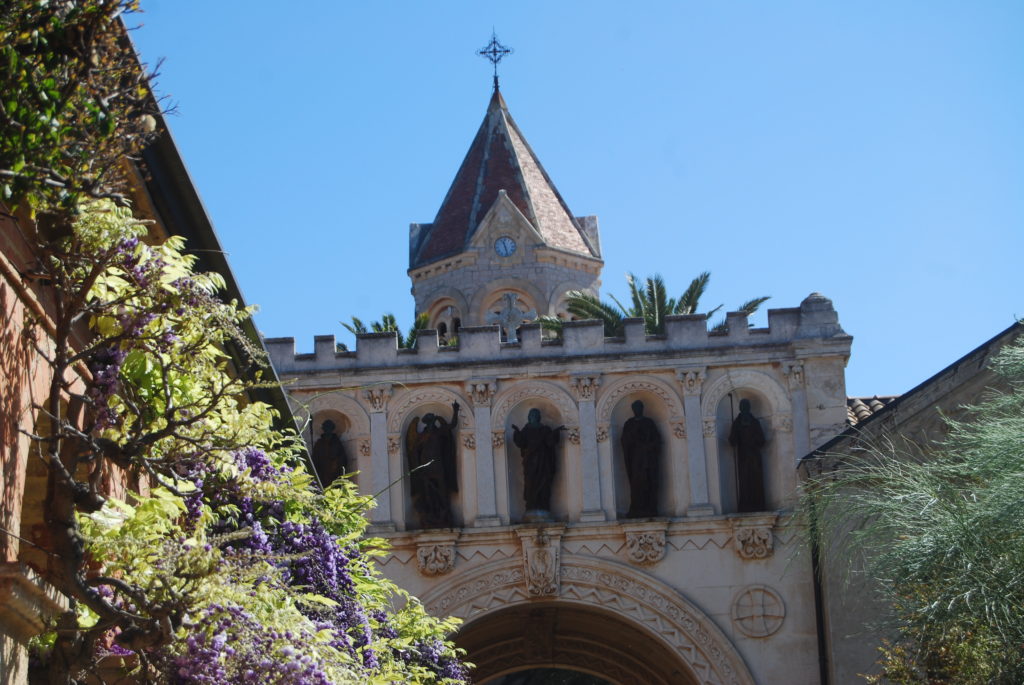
(870, 151)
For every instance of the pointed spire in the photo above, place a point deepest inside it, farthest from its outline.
(499, 159)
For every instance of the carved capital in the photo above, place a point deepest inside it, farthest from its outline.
(754, 542)
(691, 379)
(481, 392)
(469, 441)
(377, 396)
(794, 372)
(541, 560)
(710, 427)
(435, 558)
(393, 443)
(679, 429)
(574, 436)
(602, 432)
(364, 447)
(783, 423)
(584, 386)
(645, 547)
(497, 439)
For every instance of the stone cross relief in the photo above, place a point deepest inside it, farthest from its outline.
(510, 317)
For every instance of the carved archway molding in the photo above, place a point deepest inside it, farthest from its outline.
(633, 596)
(744, 379)
(400, 407)
(510, 397)
(619, 388)
(340, 401)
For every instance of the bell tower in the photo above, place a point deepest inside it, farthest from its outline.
(502, 228)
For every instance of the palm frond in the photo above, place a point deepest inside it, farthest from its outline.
(751, 306)
(689, 301)
(583, 305)
(657, 304)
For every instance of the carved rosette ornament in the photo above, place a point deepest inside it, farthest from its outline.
(378, 397)
(679, 429)
(481, 392)
(497, 439)
(794, 372)
(541, 560)
(754, 542)
(393, 443)
(574, 436)
(435, 558)
(758, 611)
(585, 387)
(691, 380)
(645, 547)
(710, 427)
(364, 448)
(602, 433)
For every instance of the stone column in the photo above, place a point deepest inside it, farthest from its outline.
(388, 498)
(798, 397)
(481, 393)
(692, 380)
(584, 387)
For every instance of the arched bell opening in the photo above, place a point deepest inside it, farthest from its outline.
(588, 646)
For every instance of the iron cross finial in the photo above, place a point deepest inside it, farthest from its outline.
(494, 51)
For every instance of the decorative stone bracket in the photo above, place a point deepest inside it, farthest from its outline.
(481, 392)
(435, 553)
(584, 386)
(25, 604)
(753, 538)
(645, 542)
(378, 397)
(541, 559)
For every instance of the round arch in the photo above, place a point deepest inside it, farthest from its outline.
(401, 406)
(616, 390)
(339, 401)
(509, 397)
(597, 587)
(530, 296)
(732, 379)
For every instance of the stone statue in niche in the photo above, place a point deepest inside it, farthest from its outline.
(329, 457)
(431, 454)
(747, 438)
(641, 448)
(539, 446)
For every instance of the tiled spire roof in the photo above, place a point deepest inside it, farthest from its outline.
(499, 159)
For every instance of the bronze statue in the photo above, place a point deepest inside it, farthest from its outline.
(641, 448)
(329, 458)
(748, 439)
(431, 456)
(538, 445)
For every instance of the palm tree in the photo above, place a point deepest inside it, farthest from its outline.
(387, 323)
(648, 301)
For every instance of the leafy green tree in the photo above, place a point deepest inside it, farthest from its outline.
(387, 324)
(649, 301)
(939, 533)
(227, 565)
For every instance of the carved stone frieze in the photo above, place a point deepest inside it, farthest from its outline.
(435, 558)
(602, 433)
(691, 380)
(481, 392)
(541, 555)
(378, 397)
(754, 542)
(585, 386)
(758, 611)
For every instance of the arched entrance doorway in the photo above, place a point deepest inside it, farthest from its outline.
(555, 643)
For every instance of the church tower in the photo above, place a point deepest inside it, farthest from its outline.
(503, 228)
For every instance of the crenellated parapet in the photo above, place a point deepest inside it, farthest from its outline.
(814, 320)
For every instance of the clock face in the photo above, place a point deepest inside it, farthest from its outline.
(504, 246)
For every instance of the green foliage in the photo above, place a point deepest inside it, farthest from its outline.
(940, 534)
(387, 324)
(649, 301)
(74, 102)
